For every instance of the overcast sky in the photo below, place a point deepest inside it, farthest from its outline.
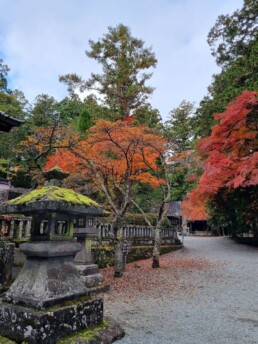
(40, 40)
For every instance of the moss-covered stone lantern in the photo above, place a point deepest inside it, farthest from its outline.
(40, 305)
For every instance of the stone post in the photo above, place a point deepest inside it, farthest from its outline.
(84, 261)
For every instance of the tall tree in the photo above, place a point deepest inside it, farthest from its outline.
(232, 36)
(44, 112)
(14, 104)
(4, 69)
(178, 130)
(124, 60)
(234, 43)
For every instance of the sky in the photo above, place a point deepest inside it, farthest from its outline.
(40, 40)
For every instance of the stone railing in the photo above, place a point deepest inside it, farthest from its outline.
(168, 233)
(136, 232)
(17, 228)
(20, 229)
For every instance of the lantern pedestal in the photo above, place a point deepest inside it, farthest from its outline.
(48, 300)
(48, 276)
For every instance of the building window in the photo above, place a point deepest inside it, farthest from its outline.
(90, 222)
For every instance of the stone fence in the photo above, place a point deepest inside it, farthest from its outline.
(19, 229)
(135, 232)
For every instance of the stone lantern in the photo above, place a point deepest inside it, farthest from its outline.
(49, 300)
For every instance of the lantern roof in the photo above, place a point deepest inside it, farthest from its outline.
(52, 198)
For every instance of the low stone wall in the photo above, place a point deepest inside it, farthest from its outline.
(104, 255)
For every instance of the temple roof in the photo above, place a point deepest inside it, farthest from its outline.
(174, 209)
(8, 122)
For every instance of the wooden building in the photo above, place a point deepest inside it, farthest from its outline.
(8, 122)
(181, 223)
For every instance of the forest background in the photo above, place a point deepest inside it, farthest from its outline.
(118, 151)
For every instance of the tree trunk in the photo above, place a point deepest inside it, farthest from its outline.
(118, 234)
(119, 266)
(156, 249)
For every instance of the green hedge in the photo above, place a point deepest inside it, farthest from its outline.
(104, 255)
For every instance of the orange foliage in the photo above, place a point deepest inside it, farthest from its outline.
(120, 153)
(43, 142)
(229, 154)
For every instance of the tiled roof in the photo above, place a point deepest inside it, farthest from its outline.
(8, 122)
(174, 209)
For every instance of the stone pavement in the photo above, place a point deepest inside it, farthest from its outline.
(209, 295)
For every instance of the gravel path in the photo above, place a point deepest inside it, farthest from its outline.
(206, 293)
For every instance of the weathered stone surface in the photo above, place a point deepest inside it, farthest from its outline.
(45, 282)
(107, 333)
(92, 280)
(6, 262)
(90, 275)
(45, 327)
(49, 299)
(88, 269)
(50, 249)
(112, 332)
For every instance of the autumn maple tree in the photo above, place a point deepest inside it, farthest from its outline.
(115, 156)
(230, 166)
(33, 151)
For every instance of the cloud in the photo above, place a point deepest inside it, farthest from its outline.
(41, 40)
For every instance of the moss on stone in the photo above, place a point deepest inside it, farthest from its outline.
(4, 340)
(54, 193)
(86, 335)
(75, 302)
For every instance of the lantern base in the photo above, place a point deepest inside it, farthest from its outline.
(48, 276)
(34, 326)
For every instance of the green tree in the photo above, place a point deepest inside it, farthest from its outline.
(232, 36)
(14, 104)
(44, 112)
(234, 43)
(122, 84)
(178, 129)
(149, 116)
(4, 69)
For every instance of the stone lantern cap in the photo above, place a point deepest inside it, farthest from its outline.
(55, 173)
(52, 199)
